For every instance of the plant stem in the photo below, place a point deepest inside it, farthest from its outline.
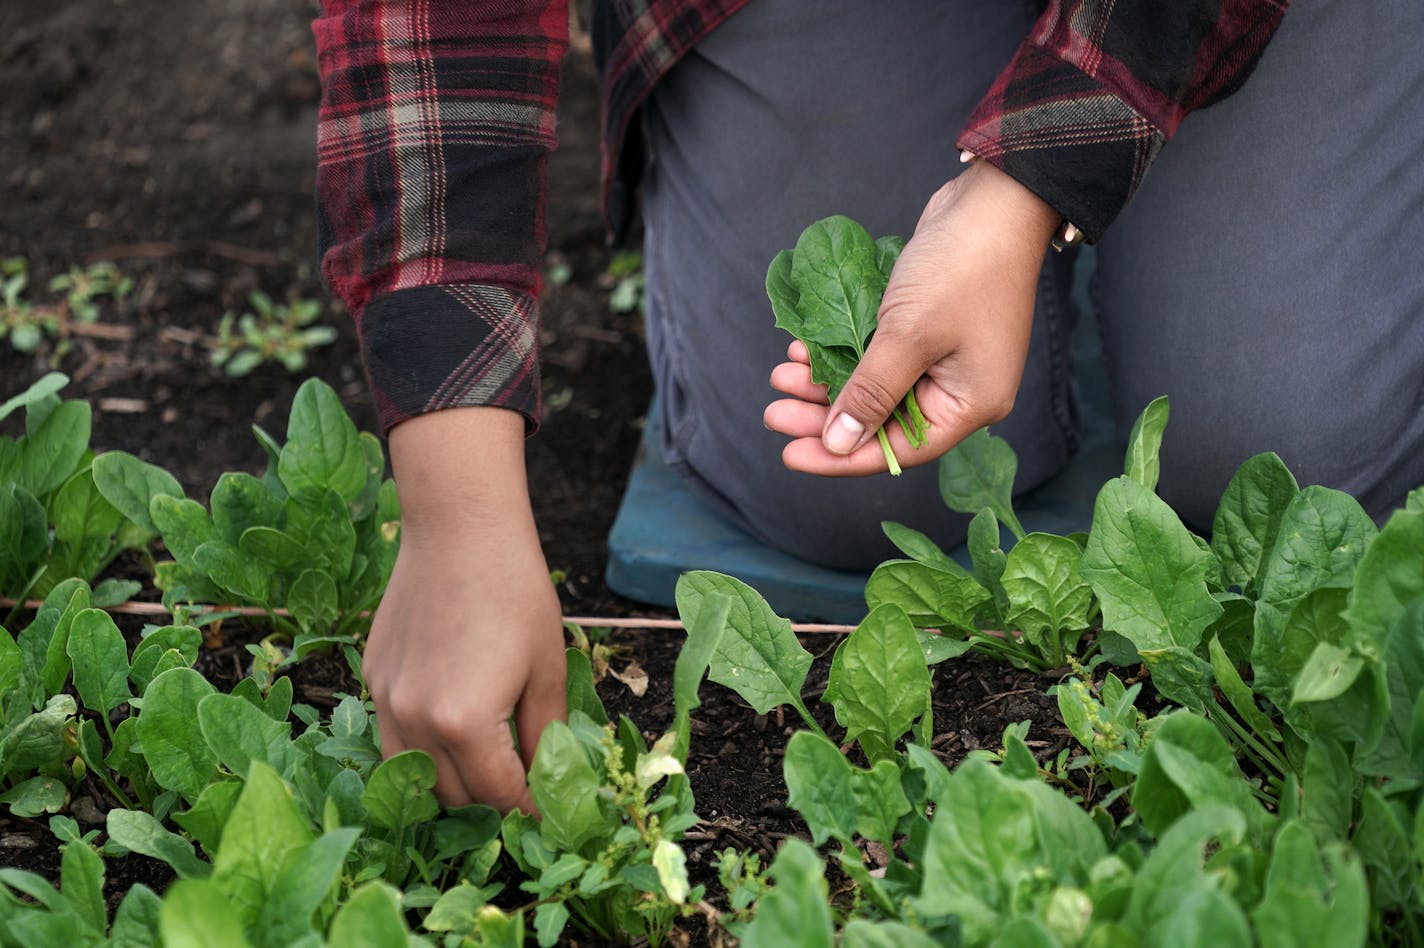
(1001, 648)
(286, 627)
(1248, 738)
(895, 469)
(113, 788)
(909, 429)
(25, 594)
(810, 721)
(360, 611)
(917, 416)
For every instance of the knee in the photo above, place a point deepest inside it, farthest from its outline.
(1344, 450)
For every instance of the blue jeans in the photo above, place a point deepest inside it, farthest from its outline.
(1268, 276)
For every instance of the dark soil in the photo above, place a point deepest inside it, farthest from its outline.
(177, 140)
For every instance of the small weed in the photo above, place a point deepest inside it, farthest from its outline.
(269, 332)
(81, 286)
(27, 324)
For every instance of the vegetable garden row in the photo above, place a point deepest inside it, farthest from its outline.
(1273, 796)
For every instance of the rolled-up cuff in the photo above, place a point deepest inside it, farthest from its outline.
(1065, 136)
(434, 347)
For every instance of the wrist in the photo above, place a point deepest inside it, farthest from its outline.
(460, 469)
(1039, 217)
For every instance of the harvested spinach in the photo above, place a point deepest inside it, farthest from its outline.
(826, 292)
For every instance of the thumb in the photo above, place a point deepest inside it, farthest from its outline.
(890, 368)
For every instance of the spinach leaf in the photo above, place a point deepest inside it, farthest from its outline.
(1146, 570)
(879, 682)
(1049, 600)
(979, 473)
(1249, 517)
(826, 292)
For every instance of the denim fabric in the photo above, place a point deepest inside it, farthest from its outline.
(1269, 275)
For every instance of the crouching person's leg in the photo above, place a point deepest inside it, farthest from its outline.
(1267, 276)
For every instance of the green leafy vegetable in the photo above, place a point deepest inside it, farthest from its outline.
(826, 292)
(978, 473)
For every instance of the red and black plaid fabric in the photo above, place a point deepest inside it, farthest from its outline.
(437, 119)
(1099, 86)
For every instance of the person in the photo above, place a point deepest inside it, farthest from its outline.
(1264, 275)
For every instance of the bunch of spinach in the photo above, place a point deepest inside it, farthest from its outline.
(826, 292)
(316, 535)
(55, 522)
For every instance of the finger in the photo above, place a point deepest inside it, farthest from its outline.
(797, 352)
(392, 742)
(449, 788)
(543, 701)
(893, 362)
(794, 379)
(809, 455)
(488, 767)
(951, 424)
(795, 418)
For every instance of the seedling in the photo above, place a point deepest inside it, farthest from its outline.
(27, 324)
(269, 332)
(81, 286)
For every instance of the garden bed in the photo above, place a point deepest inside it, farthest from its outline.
(1132, 735)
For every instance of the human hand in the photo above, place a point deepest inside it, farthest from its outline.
(470, 632)
(954, 324)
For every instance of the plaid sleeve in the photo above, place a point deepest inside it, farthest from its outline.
(1099, 86)
(436, 123)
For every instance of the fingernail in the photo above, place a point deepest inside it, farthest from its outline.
(966, 156)
(843, 434)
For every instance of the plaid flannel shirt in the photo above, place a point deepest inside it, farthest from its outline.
(437, 120)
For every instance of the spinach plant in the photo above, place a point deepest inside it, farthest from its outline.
(993, 853)
(315, 535)
(269, 332)
(1277, 798)
(284, 826)
(826, 291)
(1030, 605)
(55, 522)
(67, 683)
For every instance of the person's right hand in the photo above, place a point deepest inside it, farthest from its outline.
(469, 634)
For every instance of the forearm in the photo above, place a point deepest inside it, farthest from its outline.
(460, 474)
